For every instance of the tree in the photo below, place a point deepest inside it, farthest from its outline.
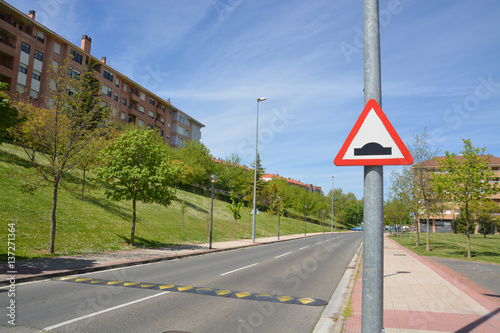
(61, 133)
(423, 190)
(235, 208)
(483, 213)
(260, 183)
(9, 115)
(197, 156)
(137, 167)
(465, 179)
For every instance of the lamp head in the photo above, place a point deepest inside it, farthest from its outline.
(261, 99)
(213, 178)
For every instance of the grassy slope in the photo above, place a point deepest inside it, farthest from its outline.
(100, 225)
(455, 246)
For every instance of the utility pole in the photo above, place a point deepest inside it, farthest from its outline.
(373, 238)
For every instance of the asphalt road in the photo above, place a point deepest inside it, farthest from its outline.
(303, 268)
(486, 275)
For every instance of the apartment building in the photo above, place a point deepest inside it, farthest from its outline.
(441, 221)
(28, 49)
(309, 187)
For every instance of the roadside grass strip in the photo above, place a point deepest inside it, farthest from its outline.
(198, 290)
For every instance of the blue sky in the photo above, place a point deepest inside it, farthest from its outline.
(214, 58)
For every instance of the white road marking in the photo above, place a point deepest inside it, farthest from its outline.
(238, 269)
(102, 311)
(282, 255)
(305, 247)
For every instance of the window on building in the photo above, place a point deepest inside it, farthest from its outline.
(25, 47)
(151, 114)
(20, 88)
(107, 75)
(162, 120)
(125, 87)
(141, 109)
(143, 96)
(77, 56)
(55, 65)
(152, 101)
(117, 82)
(106, 90)
(57, 48)
(116, 97)
(38, 55)
(124, 101)
(73, 73)
(123, 115)
(33, 94)
(140, 123)
(150, 126)
(168, 137)
(23, 68)
(161, 133)
(40, 36)
(36, 75)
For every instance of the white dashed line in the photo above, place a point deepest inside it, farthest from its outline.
(282, 255)
(305, 247)
(102, 311)
(238, 269)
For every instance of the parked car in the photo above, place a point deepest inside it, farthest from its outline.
(358, 228)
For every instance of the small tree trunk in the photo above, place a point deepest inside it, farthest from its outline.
(428, 248)
(132, 234)
(467, 228)
(418, 232)
(53, 217)
(83, 185)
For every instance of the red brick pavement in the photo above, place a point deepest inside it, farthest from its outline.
(431, 321)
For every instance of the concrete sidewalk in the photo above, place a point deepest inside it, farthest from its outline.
(43, 268)
(422, 296)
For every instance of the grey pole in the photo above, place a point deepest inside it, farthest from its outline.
(333, 177)
(373, 242)
(255, 171)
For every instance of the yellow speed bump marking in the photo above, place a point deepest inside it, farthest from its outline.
(166, 286)
(83, 280)
(242, 294)
(110, 283)
(306, 300)
(223, 292)
(284, 298)
(199, 290)
(147, 285)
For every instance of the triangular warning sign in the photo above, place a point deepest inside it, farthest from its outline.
(373, 141)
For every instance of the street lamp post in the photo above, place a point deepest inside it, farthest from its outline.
(305, 220)
(323, 219)
(213, 179)
(255, 171)
(279, 214)
(333, 177)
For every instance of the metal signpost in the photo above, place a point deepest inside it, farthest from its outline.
(373, 143)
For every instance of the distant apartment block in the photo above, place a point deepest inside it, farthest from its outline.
(309, 187)
(28, 49)
(441, 221)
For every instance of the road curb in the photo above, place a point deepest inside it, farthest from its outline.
(338, 301)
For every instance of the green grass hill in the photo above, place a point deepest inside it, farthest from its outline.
(97, 224)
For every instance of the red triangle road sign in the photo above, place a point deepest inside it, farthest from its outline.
(373, 141)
